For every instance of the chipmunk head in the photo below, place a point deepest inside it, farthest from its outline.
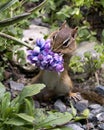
(63, 40)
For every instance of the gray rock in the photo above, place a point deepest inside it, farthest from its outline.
(16, 86)
(74, 126)
(60, 106)
(94, 106)
(81, 105)
(37, 104)
(34, 32)
(100, 90)
(85, 46)
(101, 126)
(96, 111)
(100, 116)
(89, 126)
(69, 109)
(92, 117)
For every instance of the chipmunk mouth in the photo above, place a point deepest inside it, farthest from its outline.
(56, 50)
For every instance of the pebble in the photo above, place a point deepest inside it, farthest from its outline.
(100, 90)
(89, 126)
(16, 86)
(92, 118)
(37, 104)
(74, 126)
(96, 111)
(60, 106)
(94, 106)
(81, 105)
(101, 126)
(100, 116)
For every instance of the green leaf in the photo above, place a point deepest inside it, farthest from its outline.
(6, 105)
(77, 118)
(74, 111)
(26, 117)
(79, 2)
(7, 5)
(102, 3)
(55, 119)
(15, 104)
(2, 90)
(86, 113)
(31, 90)
(13, 20)
(29, 106)
(15, 40)
(15, 122)
(18, 18)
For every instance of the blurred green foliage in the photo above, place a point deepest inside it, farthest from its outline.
(20, 112)
(14, 19)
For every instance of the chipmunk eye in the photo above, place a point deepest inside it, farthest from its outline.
(54, 37)
(66, 42)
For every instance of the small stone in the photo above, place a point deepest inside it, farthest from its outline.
(43, 104)
(74, 126)
(96, 111)
(37, 104)
(16, 86)
(101, 126)
(100, 90)
(92, 117)
(89, 126)
(100, 116)
(60, 106)
(69, 109)
(94, 106)
(81, 105)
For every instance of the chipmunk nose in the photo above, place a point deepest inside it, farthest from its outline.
(56, 50)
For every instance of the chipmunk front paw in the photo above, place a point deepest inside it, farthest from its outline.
(75, 96)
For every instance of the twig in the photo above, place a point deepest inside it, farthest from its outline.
(97, 78)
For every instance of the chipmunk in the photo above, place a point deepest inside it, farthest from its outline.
(62, 41)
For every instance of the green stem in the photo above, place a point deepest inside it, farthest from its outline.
(15, 39)
(38, 7)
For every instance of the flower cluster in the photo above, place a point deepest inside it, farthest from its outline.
(44, 58)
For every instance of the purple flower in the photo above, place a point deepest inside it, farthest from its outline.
(47, 45)
(44, 58)
(40, 57)
(59, 68)
(40, 43)
(36, 50)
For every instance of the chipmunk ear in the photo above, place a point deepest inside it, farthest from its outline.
(63, 25)
(74, 32)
